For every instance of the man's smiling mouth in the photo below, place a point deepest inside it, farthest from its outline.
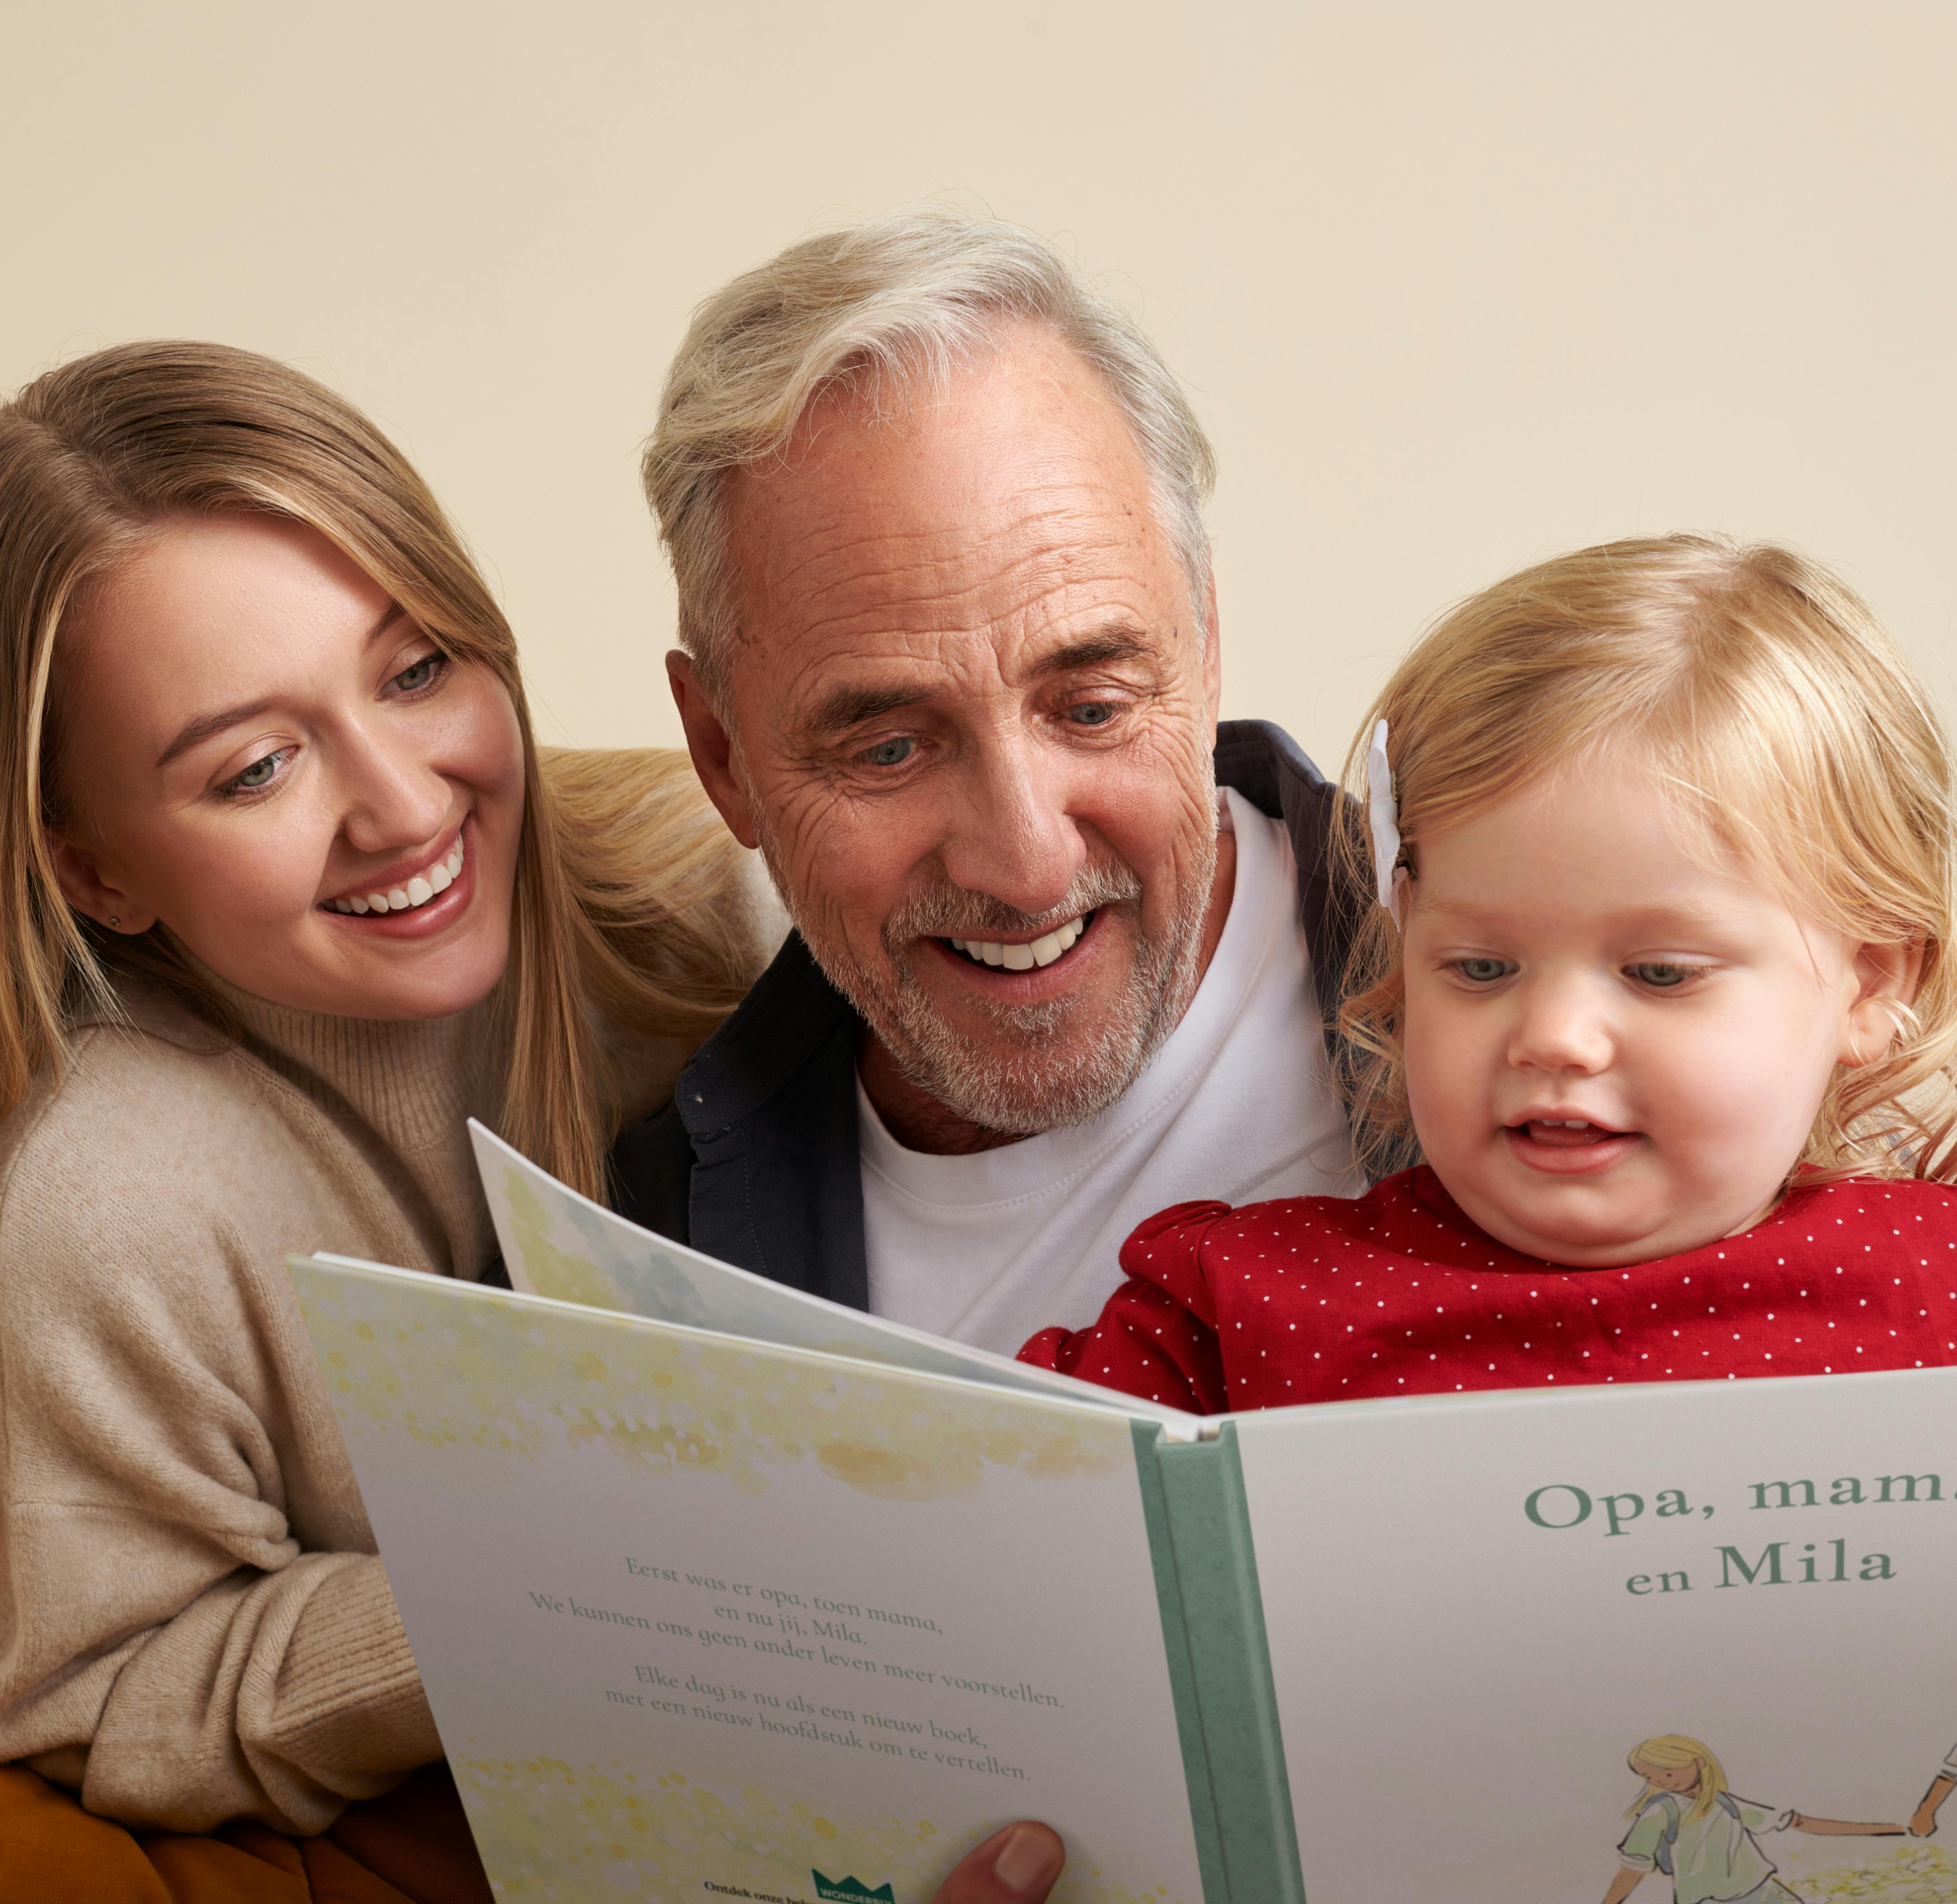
(1042, 951)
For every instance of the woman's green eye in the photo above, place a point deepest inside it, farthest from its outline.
(890, 753)
(1665, 978)
(1483, 971)
(419, 675)
(259, 773)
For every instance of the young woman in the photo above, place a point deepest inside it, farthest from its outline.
(288, 893)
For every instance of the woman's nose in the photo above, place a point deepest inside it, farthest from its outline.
(393, 797)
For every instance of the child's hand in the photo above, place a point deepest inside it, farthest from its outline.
(1923, 1821)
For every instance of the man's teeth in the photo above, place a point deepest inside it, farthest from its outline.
(417, 892)
(1023, 958)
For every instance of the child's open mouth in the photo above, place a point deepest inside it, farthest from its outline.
(1567, 1146)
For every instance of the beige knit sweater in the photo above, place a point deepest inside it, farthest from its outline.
(192, 1624)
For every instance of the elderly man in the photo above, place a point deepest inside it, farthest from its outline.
(950, 660)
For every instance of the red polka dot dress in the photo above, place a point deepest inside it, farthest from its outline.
(1330, 1299)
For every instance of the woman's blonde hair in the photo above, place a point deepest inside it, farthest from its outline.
(1673, 1752)
(1765, 693)
(95, 457)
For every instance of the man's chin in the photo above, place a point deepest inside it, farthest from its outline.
(1041, 1076)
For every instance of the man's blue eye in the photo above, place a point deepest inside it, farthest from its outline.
(890, 753)
(1090, 713)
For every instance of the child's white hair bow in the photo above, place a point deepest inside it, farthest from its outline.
(1382, 809)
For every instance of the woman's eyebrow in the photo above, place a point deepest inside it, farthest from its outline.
(207, 725)
(193, 732)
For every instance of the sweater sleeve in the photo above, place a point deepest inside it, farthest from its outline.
(166, 1641)
(1156, 1337)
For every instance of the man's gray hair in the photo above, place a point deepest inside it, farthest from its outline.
(914, 294)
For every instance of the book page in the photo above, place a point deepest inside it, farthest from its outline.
(556, 1243)
(1479, 1607)
(701, 1617)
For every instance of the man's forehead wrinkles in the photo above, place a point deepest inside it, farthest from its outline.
(1060, 529)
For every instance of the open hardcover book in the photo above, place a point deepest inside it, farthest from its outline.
(721, 1590)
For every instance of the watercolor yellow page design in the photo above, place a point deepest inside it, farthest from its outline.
(558, 1244)
(701, 1617)
(1755, 1577)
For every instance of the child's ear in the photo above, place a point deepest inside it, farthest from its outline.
(1887, 976)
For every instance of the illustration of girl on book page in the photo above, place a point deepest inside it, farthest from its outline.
(1687, 1824)
(1923, 1821)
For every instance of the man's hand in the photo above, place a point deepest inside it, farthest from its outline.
(1018, 1865)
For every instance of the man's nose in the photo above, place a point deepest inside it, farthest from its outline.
(1011, 836)
(1562, 1025)
(392, 796)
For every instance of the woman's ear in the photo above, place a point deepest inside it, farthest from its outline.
(93, 892)
(1887, 976)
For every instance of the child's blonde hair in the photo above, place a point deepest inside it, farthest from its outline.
(1764, 692)
(1673, 1752)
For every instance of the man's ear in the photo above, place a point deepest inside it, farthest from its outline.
(712, 747)
(93, 891)
(1888, 975)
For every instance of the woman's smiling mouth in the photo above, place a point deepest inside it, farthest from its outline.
(412, 893)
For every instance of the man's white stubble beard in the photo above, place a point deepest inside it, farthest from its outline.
(1035, 1076)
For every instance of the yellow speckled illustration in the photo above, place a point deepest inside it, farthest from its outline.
(402, 1351)
(1918, 1873)
(559, 1832)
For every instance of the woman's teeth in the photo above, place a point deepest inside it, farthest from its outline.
(417, 892)
(1023, 958)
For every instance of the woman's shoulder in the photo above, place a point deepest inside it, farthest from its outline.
(147, 1108)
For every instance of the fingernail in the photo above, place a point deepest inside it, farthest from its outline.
(1025, 1859)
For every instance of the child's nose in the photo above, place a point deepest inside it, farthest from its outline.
(1561, 1027)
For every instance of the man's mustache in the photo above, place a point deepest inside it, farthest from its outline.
(957, 912)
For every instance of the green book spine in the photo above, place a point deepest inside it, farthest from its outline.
(1219, 1666)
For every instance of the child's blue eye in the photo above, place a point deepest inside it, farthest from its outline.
(1664, 978)
(1483, 971)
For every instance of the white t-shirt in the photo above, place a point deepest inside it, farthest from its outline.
(1238, 1104)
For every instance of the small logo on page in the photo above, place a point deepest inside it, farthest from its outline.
(850, 1892)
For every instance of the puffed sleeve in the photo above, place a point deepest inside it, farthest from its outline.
(1638, 1851)
(1156, 1337)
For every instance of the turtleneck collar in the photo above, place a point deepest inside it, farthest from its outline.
(412, 1083)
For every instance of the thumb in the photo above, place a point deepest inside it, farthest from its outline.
(1018, 1865)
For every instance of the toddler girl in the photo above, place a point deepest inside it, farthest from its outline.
(1659, 982)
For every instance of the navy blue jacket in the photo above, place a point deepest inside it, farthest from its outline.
(755, 1160)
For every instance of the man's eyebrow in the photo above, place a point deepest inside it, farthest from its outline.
(195, 732)
(844, 708)
(1095, 651)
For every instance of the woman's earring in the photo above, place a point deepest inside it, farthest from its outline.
(115, 922)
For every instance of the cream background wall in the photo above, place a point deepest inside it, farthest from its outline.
(1454, 285)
